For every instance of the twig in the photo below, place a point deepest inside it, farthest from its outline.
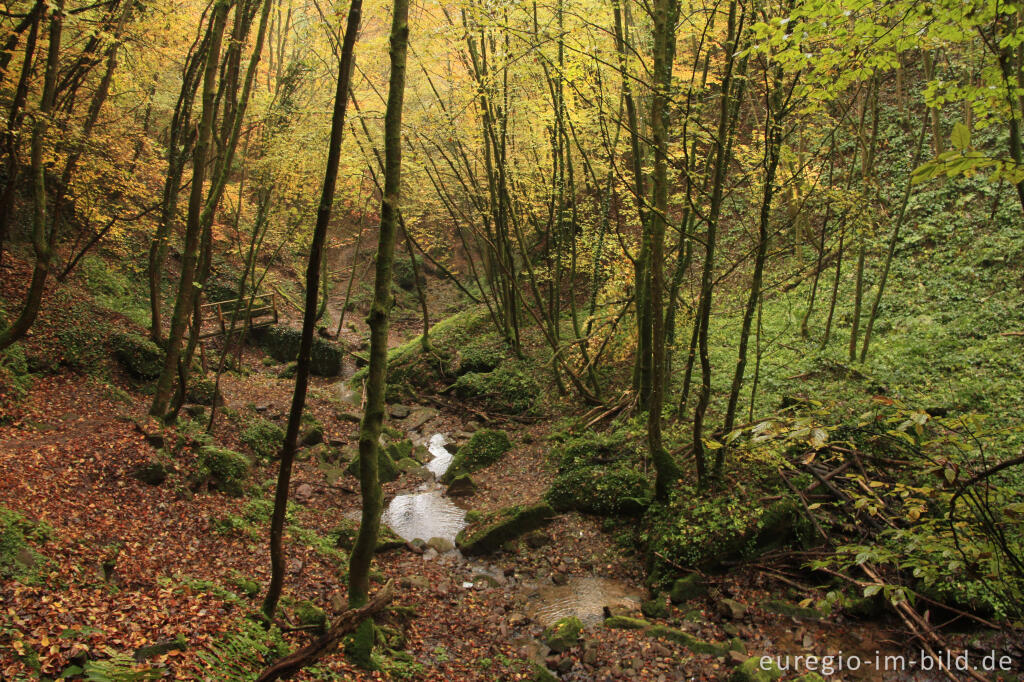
(803, 501)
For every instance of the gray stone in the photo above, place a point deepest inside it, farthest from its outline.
(732, 609)
(418, 417)
(303, 493)
(398, 411)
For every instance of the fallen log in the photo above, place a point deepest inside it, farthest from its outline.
(325, 644)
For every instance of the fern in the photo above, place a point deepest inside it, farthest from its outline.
(120, 667)
(239, 654)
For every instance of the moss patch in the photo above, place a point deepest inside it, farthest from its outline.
(485, 447)
(510, 524)
(606, 491)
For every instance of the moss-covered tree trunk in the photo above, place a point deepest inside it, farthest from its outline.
(373, 418)
(309, 315)
(664, 54)
(193, 226)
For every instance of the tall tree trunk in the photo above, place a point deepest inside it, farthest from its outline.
(42, 242)
(373, 417)
(667, 472)
(193, 227)
(323, 218)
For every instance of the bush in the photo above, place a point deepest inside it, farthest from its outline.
(590, 448)
(14, 378)
(224, 469)
(405, 273)
(142, 358)
(485, 447)
(263, 438)
(605, 491)
(81, 347)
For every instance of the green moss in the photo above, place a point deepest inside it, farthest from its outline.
(626, 623)
(605, 491)
(485, 447)
(590, 448)
(359, 645)
(563, 634)
(18, 559)
(225, 469)
(283, 345)
(386, 468)
(695, 645)
(510, 523)
(510, 388)
(482, 354)
(308, 613)
(142, 358)
(202, 391)
(264, 438)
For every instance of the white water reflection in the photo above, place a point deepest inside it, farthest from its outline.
(428, 514)
(442, 458)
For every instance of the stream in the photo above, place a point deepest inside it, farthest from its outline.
(427, 514)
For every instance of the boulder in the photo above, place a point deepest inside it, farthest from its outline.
(732, 609)
(441, 545)
(461, 486)
(564, 634)
(512, 522)
(752, 671)
(398, 411)
(686, 588)
(484, 448)
(655, 608)
(418, 417)
(304, 493)
(152, 472)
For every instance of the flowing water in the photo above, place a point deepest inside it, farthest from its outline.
(427, 514)
(584, 598)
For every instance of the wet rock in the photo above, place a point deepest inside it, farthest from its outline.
(461, 486)
(687, 588)
(430, 554)
(304, 493)
(732, 609)
(421, 454)
(440, 545)
(564, 634)
(407, 465)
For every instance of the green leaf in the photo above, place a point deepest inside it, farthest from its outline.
(961, 137)
(872, 590)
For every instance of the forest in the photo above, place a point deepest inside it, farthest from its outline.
(512, 340)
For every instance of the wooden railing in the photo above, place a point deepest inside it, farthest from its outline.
(263, 313)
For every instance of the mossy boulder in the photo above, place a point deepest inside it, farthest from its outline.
(223, 469)
(387, 470)
(655, 608)
(686, 588)
(485, 447)
(751, 670)
(153, 472)
(461, 486)
(309, 614)
(344, 537)
(141, 358)
(626, 623)
(510, 388)
(263, 438)
(784, 608)
(605, 491)
(510, 523)
(564, 634)
(283, 345)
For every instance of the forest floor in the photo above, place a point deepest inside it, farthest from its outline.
(131, 564)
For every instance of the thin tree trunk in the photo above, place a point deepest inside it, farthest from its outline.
(323, 218)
